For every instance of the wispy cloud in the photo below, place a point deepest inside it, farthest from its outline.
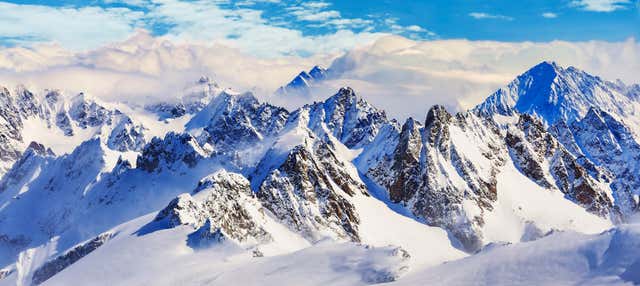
(602, 5)
(321, 16)
(549, 15)
(481, 15)
(78, 28)
(413, 31)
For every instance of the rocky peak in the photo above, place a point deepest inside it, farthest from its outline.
(304, 81)
(222, 180)
(437, 114)
(125, 134)
(173, 151)
(540, 157)
(594, 118)
(88, 113)
(349, 118)
(204, 80)
(611, 145)
(546, 69)
(310, 191)
(345, 94)
(554, 93)
(231, 118)
(406, 162)
(26, 102)
(222, 203)
(39, 149)
(26, 165)
(53, 96)
(633, 91)
(419, 179)
(318, 73)
(436, 127)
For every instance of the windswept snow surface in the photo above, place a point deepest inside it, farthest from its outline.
(562, 258)
(523, 207)
(163, 257)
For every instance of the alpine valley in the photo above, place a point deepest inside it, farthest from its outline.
(539, 185)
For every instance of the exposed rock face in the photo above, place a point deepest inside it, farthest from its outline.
(610, 144)
(533, 149)
(406, 163)
(126, 135)
(434, 170)
(25, 167)
(10, 133)
(5, 272)
(88, 114)
(231, 120)
(183, 210)
(437, 168)
(172, 151)
(57, 113)
(207, 235)
(349, 118)
(309, 191)
(222, 205)
(53, 267)
(596, 125)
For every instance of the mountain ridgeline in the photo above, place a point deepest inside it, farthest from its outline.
(556, 149)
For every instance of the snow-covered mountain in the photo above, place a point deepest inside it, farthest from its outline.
(193, 98)
(304, 81)
(553, 93)
(63, 121)
(240, 191)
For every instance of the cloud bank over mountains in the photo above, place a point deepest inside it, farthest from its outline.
(401, 74)
(391, 73)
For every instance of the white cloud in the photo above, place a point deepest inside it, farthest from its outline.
(138, 3)
(415, 28)
(602, 5)
(549, 15)
(414, 31)
(319, 16)
(481, 16)
(317, 12)
(78, 28)
(316, 5)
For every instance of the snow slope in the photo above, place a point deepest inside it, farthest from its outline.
(562, 258)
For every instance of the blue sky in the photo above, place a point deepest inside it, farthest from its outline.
(277, 27)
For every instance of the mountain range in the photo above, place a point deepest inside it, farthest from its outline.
(221, 188)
